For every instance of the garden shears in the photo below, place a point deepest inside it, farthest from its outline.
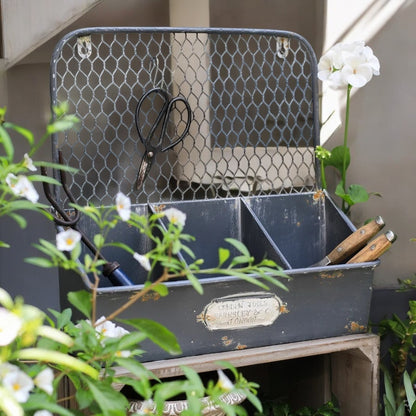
(162, 122)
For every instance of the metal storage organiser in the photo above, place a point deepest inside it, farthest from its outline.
(245, 170)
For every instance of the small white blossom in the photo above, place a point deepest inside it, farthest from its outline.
(123, 354)
(21, 186)
(143, 261)
(224, 382)
(10, 325)
(109, 329)
(19, 384)
(147, 407)
(28, 163)
(42, 413)
(67, 240)
(348, 64)
(44, 380)
(175, 216)
(123, 206)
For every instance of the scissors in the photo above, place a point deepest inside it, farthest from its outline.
(162, 122)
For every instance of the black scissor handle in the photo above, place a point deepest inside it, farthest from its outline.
(161, 120)
(181, 136)
(161, 115)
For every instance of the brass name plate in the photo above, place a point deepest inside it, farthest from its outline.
(243, 310)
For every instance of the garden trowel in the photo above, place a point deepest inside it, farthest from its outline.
(375, 248)
(352, 243)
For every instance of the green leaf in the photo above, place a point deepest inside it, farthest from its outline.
(81, 300)
(41, 178)
(4, 244)
(60, 125)
(196, 284)
(223, 255)
(38, 402)
(156, 332)
(195, 380)
(410, 394)
(239, 246)
(56, 166)
(161, 289)
(27, 134)
(6, 141)
(40, 262)
(358, 193)
(336, 158)
(110, 401)
(21, 221)
(98, 240)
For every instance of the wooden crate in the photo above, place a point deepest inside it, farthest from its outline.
(347, 366)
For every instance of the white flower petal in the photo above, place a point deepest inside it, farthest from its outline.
(19, 384)
(175, 216)
(44, 380)
(143, 261)
(42, 413)
(10, 325)
(348, 63)
(109, 329)
(21, 186)
(224, 382)
(67, 240)
(123, 205)
(28, 162)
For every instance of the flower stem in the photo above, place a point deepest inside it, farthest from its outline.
(344, 160)
(323, 178)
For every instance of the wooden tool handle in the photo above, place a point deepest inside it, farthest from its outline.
(355, 241)
(375, 248)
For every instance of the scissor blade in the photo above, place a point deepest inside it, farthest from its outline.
(144, 169)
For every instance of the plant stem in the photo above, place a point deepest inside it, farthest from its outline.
(344, 160)
(323, 178)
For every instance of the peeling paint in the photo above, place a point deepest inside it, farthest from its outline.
(241, 346)
(355, 327)
(319, 195)
(331, 275)
(150, 296)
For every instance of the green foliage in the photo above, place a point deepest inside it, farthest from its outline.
(281, 408)
(17, 192)
(95, 354)
(403, 332)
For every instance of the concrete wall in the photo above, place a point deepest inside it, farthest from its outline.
(382, 130)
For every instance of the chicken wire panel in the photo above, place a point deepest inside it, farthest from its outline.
(253, 101)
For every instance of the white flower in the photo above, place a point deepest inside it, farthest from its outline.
(19, 384)
(124, 354)
(42, 413)
(7, 368)
(123, 206)
(44, 380)
(28, 163)
(109, 329)
(67, 240)
(10, 325)
(348, 64)
(143, 261)
(175, 216)
(147, 407)
(21, 186)
(224, 382)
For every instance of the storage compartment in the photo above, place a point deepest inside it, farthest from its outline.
(305, 227)
(232, 219)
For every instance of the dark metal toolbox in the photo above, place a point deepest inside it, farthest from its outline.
(246, 169)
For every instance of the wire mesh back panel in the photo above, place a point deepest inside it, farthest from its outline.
(254, 112)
